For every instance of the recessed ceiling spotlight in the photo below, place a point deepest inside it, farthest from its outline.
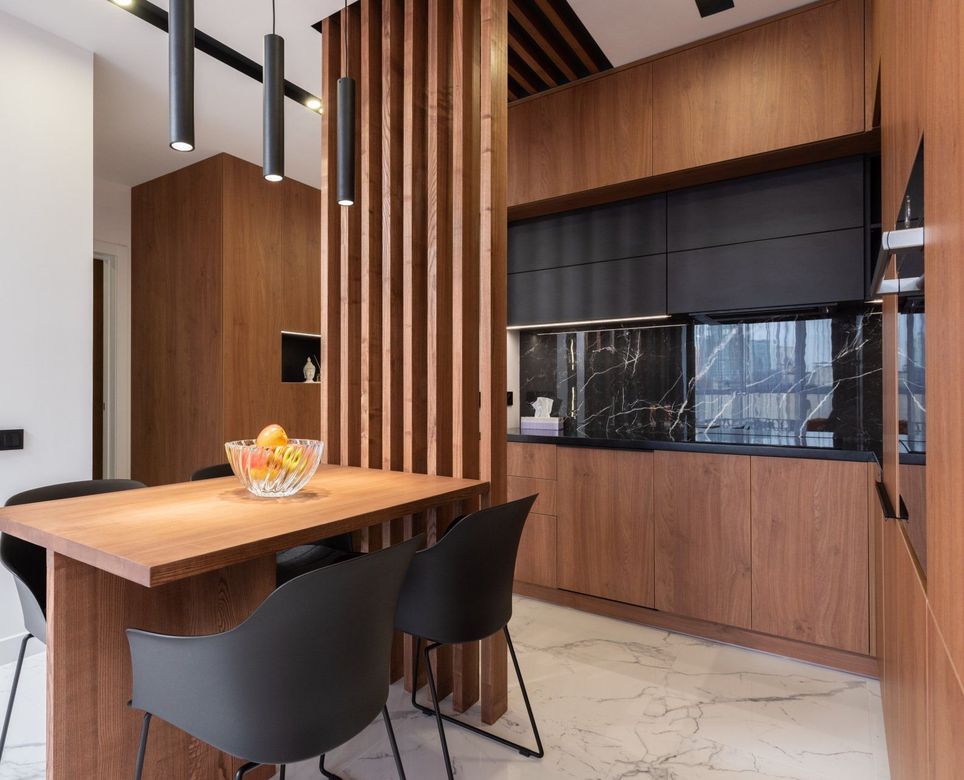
(313, 103)
(710, 7)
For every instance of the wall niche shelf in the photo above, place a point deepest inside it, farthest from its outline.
(296, 349)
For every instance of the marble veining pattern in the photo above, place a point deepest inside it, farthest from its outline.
(615, 701)
(807, 380)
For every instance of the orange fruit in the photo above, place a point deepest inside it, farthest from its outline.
(272, 436)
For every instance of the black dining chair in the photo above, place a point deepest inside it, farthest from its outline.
(306, 672)
(303, 558)
(460, 590)
(28, 564)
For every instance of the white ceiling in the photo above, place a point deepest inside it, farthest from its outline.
(130, 77)
(630, 30)
(130, 82)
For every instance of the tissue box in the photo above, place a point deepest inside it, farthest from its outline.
(546, 426)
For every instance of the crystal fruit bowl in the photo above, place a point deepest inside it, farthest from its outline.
(274, 472)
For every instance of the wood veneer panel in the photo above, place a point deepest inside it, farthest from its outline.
(811, 551)
(944, 185)
(176, 382)
(945, 708)
(608, 122)
(605, 537)
(536, 562)
(545, 489)
(531, 460)
(702, 506)
(792, 81)
(91, 732)
(904, 659)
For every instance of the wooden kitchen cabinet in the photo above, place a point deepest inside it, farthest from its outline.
(793, 81)
(536, 562)
(702, 508)
(945, 704)
(605, 534)
(532, 470)
(810, 551)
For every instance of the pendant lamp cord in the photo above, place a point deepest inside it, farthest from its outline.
(274, 18)
(344, 35)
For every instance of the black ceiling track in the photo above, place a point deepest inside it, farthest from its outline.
(211, 46)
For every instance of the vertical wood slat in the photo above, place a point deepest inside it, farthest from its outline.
(493, 311)
(413, 280)
(330, 246)
(350, 276)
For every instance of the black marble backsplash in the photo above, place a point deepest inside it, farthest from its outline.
(797, 380)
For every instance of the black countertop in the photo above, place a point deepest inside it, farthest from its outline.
(816, 444)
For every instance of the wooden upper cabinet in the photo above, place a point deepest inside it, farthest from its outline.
(810, 542)
(605, 525)
(793, 81)
(581, 137)
(703, 536)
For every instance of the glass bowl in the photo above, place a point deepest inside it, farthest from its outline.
(274, 472)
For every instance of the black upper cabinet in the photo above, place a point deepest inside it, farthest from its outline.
(808, 199)
(777, 273)
(632, 228)
(634, 287)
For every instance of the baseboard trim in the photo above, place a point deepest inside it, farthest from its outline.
(842, 660)
(10, 647)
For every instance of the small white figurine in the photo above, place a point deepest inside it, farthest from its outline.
(309, 370)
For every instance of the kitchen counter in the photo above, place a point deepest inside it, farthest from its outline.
(815, 444)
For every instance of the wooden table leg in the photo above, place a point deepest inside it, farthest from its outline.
(495, 683)
(91, 733)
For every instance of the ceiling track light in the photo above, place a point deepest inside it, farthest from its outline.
(181, 74)
(346, 126)
(274, 110)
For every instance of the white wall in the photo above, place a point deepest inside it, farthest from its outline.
(46, 240)
(112, 238)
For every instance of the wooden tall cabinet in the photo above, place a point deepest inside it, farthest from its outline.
(702, 509)
(605, 539)
(222, 262)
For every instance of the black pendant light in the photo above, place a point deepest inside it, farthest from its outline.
(181, 74)
(274, 98)
(346, 127)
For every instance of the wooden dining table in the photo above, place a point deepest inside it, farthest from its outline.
(192, 558)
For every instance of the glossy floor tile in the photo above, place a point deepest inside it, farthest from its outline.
(615, 701)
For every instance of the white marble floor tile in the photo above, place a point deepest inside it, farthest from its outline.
(615, 701)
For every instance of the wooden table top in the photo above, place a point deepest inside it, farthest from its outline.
(161, 534)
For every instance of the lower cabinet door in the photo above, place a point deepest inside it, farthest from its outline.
(703, 536)
(536, 562)
(810, 526)
(605, 544)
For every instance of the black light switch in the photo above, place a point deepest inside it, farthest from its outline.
(508, 399)
(11, 439)
(710, 7)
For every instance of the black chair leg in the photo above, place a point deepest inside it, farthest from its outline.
(245, 769)
(13, 692)
(325, 772)
(281, 776)
(438, 712)
(539, 752)
(142, 748)
(391, 739)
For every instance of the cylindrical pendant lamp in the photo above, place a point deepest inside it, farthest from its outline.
(274, 110)
(181, 73)
(346, 141)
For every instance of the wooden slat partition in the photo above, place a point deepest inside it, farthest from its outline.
(413, 276)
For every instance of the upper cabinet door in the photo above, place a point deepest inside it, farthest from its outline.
(581, 137)
(628, 228)
(794, 81)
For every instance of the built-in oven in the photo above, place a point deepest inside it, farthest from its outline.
(899, 278)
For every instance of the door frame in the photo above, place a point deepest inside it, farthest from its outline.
(112, 256)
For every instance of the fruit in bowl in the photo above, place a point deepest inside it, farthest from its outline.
(274, 465)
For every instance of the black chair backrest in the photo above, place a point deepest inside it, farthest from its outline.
(212, 472)
(307, 671)
(460, 589)
(28, 563)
